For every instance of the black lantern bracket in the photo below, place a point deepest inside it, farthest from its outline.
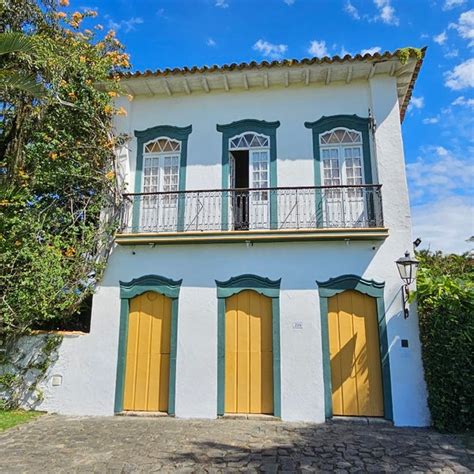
(407, 268)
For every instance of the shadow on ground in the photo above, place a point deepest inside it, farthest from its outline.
(126, 444)
(333, 447)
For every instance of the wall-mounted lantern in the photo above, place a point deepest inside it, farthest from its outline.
(407, 268)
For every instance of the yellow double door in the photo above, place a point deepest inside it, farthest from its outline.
(148, 353)
(355, 355)
(248, 354)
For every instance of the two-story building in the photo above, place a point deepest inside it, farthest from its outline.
(254, 270)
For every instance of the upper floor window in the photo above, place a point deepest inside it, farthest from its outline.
(341, 157)
(250, 163)
(163, 145)
(249, 140)
(161, 159)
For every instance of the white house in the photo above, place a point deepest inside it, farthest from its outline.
(254, 271)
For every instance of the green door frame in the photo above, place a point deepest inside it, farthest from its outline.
(129, 290)
(266, 287)
(332, 287)
(236, 128)
(324, 124)
(143, 136)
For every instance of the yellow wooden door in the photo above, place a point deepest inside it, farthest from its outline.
(248, 354)
(148, 353)
(355, 355)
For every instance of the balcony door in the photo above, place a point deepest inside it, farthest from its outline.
(342, 165)
(249, 171)
(159, 212)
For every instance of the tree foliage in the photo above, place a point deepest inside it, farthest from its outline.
(57, 165)
(445, 293)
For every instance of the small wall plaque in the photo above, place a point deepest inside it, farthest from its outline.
(298, 325)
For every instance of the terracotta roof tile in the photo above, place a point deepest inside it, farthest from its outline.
(252, 65)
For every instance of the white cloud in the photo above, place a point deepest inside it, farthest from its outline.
(440, 182)
(416, 103)
(461, 100)
(289, 2)
(461, 77)
(274, 51)
(465, 26)
(351, 10)
(318, 48)
(452, 53)
(125, 25)
(210, 42)
(373, 50)
(448, 4)
(456, 227)
(441, 38)
(386, 13)
(344, 51)
(439, 172)
(431, 120)
(221, 4)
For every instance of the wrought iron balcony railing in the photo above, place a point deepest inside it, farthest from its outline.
(308, 207)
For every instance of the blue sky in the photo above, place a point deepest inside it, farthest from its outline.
(438, 129)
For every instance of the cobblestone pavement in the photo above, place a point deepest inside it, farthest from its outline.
(55, 443)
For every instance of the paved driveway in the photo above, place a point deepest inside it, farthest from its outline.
(124, 444)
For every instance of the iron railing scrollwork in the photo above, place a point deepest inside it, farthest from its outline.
(283, 208)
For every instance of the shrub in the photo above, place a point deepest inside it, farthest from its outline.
(446, 311)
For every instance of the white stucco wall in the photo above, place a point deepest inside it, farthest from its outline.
(88, 362)
(292, 107)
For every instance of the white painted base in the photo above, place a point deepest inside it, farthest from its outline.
(88, 363)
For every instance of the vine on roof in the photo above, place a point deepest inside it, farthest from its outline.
(404, 54)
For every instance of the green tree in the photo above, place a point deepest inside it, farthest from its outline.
(445, 293)
(18, 43)
(57, 162)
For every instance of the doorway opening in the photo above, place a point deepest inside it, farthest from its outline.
(240, 182)
(249, 160)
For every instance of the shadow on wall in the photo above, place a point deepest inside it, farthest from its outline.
(329, 447)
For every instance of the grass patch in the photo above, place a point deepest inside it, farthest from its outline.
(12, 418)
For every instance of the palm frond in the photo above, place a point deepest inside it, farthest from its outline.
(21, 82)
(11, 42)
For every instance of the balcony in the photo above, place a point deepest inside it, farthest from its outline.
(263, 214)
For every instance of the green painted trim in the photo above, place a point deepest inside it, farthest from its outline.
(160, 284)
(173, 352)
(234, 285)
(384, 353)
(276, 357)
(324, 124)
(122, 350)
(236, 128)
(129, 290)
(266, 287)
(332, 287)
(220, 356)
(144, 136)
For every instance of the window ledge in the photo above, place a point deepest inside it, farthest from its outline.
(163, 238)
